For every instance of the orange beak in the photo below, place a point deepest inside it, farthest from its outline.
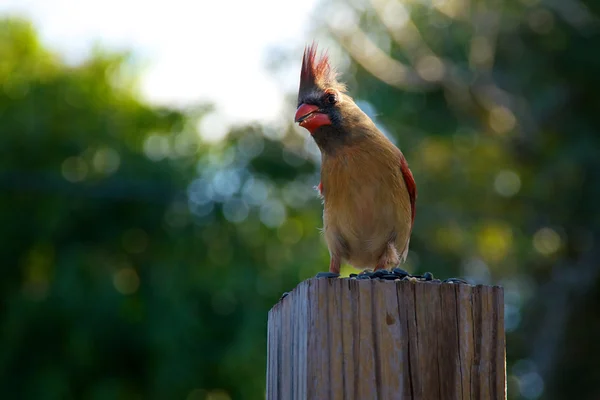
(310, 117)
(304, 112)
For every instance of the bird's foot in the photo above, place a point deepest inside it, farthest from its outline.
(327, 275)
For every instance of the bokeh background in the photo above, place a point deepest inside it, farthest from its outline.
(156, 199)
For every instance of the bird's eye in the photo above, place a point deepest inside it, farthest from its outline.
(331, 98)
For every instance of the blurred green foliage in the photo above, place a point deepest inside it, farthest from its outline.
(121, 276)
(140, 261)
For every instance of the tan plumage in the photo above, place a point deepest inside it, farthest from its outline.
(367, 210)
(368, 190)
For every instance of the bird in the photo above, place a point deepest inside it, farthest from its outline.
(366, 186)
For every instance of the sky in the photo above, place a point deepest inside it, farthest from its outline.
(195, 50)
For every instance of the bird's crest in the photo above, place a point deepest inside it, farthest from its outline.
(317, 73)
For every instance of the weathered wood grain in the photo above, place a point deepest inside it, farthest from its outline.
(375, 339)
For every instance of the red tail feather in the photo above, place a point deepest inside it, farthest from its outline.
(410, 185)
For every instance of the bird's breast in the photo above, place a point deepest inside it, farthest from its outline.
(363, 201)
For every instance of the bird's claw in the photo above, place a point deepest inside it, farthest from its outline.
(284, 295)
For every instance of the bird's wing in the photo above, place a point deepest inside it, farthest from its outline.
(410, 185)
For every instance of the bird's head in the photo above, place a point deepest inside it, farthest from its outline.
(324, 108)
(320, 93)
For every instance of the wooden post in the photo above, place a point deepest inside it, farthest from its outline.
(374, 339)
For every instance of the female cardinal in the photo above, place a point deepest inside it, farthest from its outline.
(368, 190)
